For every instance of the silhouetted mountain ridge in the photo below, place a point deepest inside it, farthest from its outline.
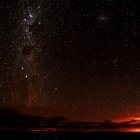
(11, 118)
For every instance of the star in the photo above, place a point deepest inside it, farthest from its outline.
(39, 22)
(22, 68)
(55, 88)
(30, 15)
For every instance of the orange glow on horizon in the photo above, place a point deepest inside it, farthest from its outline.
(137, 118)
(127, 119)
(134, 130)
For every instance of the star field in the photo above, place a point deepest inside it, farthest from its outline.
(70, 58)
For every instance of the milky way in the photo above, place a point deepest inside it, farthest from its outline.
(28, 62)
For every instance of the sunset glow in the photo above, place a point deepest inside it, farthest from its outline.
(133, 130)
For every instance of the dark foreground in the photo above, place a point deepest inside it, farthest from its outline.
(16, 126)
(67, 136)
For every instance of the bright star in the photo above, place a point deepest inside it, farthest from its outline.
(30, 15)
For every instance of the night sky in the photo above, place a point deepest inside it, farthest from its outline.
(73, 58)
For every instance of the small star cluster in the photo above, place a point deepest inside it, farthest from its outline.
(79, 58)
